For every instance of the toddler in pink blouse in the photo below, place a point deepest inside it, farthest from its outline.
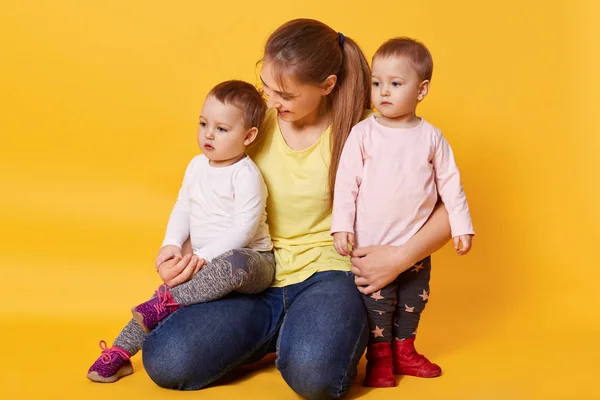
(392, 169)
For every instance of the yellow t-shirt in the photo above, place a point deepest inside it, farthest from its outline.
(298, 212)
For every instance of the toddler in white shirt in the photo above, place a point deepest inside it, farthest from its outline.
(221, 207)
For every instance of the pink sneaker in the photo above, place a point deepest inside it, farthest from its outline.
(111, 365)
(150, 313)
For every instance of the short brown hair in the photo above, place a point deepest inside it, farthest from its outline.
(414, 51)
(245, 97)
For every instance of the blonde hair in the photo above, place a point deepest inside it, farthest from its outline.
(415, 52)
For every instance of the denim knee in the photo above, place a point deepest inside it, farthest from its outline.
(169, 368)
(314, 382)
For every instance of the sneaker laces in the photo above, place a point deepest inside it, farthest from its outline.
(109, 355)
(164, 299)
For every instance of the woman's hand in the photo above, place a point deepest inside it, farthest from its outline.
(178, 270)
(376, 266)
(166, 253)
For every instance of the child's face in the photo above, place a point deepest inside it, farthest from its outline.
(298, 100)
(396, 87)
(222, 135)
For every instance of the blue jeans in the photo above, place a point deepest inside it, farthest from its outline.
(318, 328)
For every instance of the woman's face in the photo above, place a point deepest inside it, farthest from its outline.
(295, 100)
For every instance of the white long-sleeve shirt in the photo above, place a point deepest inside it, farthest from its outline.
(220, 209)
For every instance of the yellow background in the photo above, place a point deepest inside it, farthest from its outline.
(98, 112)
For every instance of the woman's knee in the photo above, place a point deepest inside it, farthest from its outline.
(197, 344)
(316, 381)
(316, 373)
(169, 365)
(318, 352)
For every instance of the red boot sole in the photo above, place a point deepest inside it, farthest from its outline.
(419, 375)
(390, 384)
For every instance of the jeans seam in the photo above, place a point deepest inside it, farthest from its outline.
(339, 392)
(285, 308)
(278, 344)
(285, 300)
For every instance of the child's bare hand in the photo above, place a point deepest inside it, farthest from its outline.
(166, 253)
(178, 270)
(340, 242)
(463, 244)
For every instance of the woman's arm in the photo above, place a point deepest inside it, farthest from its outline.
(376, 266)
(429, 239)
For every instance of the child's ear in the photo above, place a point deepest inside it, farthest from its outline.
(423, 90)
(250, 135)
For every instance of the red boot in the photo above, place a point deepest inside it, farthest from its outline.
(380, 372)
(408, 362)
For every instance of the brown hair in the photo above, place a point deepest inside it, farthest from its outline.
(412, 50)
(245, 97)
(311, 51)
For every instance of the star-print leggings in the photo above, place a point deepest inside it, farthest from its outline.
(240, 270)
(395, 310)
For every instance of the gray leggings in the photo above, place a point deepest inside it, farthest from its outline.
(240, 270)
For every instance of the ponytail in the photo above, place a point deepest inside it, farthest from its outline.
(312, 51)
(351, 98)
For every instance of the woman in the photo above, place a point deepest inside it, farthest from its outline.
(318, 86)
